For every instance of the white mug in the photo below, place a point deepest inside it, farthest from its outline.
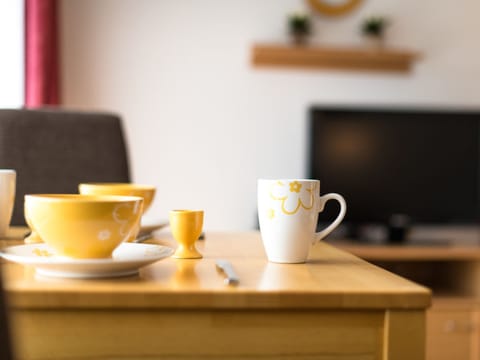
(7, 198)
(288, 212)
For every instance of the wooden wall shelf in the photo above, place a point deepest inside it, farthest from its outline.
(316, 57)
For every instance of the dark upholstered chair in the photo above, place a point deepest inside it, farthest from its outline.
(55, 150)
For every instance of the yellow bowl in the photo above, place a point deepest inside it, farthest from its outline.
(83, 226)
(147, 192)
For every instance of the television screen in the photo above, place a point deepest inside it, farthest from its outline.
(419, 163)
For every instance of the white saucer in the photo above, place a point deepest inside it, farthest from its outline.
(126, 260)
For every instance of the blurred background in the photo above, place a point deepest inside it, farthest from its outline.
(202, 123)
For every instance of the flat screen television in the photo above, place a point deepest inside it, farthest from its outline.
(422, 164)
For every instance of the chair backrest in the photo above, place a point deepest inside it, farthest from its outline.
(5, 338)
(55, 150)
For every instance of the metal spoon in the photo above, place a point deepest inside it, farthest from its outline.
(143, 237)
(226, 267)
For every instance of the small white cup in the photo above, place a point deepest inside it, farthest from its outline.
(7, 198)
(288, 212)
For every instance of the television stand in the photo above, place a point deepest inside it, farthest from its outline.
(428, 242)
(452, 271)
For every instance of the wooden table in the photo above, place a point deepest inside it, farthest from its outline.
(335, 306)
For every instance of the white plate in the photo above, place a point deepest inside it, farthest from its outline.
(149, 225)
(126, 260)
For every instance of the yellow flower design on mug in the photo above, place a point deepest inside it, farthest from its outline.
(295, 186)
(293, 196)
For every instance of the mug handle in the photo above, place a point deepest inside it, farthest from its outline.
(321, 204)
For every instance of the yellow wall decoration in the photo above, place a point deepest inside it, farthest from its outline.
(333, 8)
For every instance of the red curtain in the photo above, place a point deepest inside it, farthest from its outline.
(42, 73)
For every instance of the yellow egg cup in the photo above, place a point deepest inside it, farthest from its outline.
(186, 227)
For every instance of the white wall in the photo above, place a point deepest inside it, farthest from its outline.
(11, 54)
(203, 125)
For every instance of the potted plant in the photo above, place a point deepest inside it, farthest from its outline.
(299, 27)
(374, 29)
